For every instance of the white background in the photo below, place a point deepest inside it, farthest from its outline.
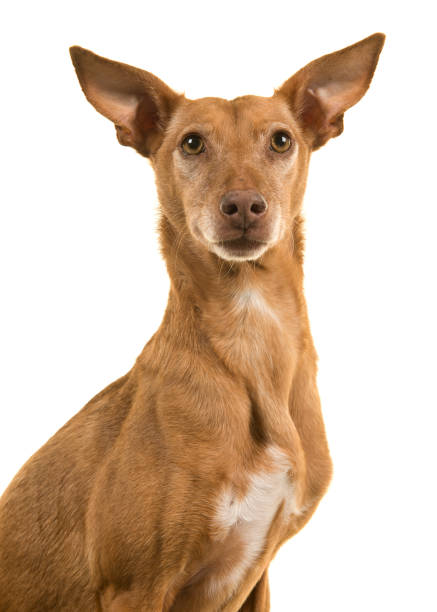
(83, 286)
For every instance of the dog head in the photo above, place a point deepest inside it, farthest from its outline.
(230, 173)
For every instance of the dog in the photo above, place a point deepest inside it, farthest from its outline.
(174, 487)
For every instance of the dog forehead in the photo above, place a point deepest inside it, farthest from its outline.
(250, 113)
(260, 111)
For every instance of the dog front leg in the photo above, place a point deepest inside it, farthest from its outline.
(307, 417)
(259, 599)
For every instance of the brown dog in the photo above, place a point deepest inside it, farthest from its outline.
(174, 487)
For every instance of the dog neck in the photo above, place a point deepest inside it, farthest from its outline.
(248, 314)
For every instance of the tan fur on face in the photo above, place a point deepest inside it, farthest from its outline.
(237, 137)
(174, 487)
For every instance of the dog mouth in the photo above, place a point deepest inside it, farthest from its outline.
(241, 248)
(241, 245)
(236, 245)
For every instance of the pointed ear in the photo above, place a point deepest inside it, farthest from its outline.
(322, 91)
(137, 102)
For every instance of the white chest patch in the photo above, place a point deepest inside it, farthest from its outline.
(252, 300)
(250, 517)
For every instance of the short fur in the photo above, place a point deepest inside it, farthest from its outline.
(174, 487)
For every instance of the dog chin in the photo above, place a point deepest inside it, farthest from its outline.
(233, 251)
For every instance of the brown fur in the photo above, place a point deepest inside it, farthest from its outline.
(117, 511)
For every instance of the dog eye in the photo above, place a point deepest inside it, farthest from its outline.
(280, 142)
(193, 144)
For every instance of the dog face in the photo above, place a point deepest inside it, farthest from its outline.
(230, 173)
(234, 167)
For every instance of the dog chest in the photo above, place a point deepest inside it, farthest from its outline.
(242, 520)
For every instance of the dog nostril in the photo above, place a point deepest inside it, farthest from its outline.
(229, 208)
(258, 208)
(244, 205)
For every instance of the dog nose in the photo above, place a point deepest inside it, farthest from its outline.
(243, 207)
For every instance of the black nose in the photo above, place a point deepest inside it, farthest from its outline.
(243, 207)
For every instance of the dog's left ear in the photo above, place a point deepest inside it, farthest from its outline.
(322, 91)
(138, 103)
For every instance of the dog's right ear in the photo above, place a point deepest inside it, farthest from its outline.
(138, 103)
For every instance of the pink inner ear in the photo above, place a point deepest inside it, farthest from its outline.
(136, 101)
(117, 106)
(322, 114)
(312, 111)
(133, 114)
(336, 97)
(324, 89)
(147, 116)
